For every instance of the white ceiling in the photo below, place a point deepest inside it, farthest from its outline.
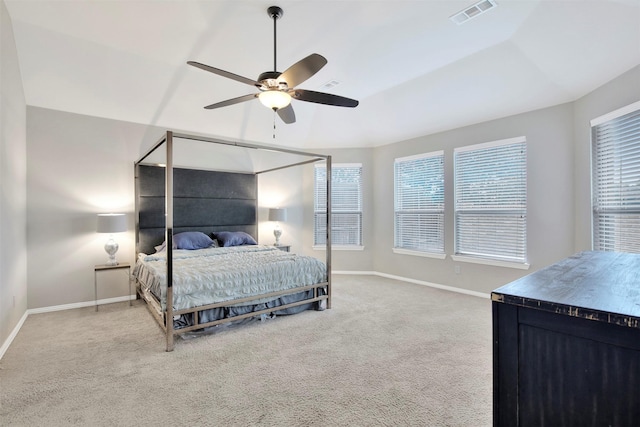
(413, 70)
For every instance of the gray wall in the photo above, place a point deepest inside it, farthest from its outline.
(78, 166)
(616, 94)
(549, 134)
(13, 176)
(559, 187)
(275, 191)
(345, 260)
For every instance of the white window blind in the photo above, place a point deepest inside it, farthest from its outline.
(616, 183)
(491, 200)
(346, 205)
(419, 202)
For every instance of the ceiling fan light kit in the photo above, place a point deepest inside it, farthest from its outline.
(276, 88)
(274, 99)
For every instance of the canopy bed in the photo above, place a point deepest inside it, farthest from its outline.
(198, 261)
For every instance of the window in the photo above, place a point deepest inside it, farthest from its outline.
(419, 203)
(491, 201)
(615, 140)
(346, 205)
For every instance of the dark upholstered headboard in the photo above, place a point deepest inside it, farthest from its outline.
(204, 201)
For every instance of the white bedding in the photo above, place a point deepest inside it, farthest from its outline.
(207, 276)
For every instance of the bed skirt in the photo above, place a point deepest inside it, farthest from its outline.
(213, 314)
(207, 319)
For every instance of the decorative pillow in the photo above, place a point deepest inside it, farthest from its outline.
(189, 240)
(234, 238)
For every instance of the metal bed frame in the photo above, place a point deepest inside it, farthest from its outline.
(164, 317)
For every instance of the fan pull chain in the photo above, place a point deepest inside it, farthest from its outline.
(274, 124)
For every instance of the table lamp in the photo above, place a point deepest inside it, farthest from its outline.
(277, 215)
(111, 223)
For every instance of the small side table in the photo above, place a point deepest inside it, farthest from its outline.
(103, 267)
(284, 248)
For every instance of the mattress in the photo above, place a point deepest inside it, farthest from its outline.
(213, 275)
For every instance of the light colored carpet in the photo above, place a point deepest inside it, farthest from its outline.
(388, 353)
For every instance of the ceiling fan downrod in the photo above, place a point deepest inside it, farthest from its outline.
(275, 12)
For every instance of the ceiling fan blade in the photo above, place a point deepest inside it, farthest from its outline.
(224, 73)
(302, 70)
(232, 101)
(287, 115)
(323, 98)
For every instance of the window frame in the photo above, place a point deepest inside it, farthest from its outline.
(614, 195)
(510, 207)
(320, 209)
(404, 204)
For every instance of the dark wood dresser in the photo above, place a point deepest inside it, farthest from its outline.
(566, 344)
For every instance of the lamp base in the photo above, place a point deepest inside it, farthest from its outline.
(111, 247)
(277, 232)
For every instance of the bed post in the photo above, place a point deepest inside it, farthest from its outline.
(169, 239)
(328, 243)
(136, 192)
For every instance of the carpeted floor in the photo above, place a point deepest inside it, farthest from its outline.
(387, 354)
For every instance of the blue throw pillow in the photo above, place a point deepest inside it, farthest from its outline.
(189, 240)
(234, 238)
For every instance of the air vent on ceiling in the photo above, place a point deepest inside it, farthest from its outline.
(330, 84)
(472, 11)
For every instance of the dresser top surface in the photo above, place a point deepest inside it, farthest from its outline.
(590, 284)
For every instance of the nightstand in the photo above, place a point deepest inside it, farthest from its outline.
(284, 248)
(103, 267)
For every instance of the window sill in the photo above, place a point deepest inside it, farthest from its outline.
(418, 253)
(493, 262)
(339, 248)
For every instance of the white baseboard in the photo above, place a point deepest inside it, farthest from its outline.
(12, 335)
(418, 282)
(15, 331)
(355, 273)
(79, 305)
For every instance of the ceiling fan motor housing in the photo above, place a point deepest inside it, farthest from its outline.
(269, 80)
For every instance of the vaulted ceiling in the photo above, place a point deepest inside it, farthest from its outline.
(414, 71)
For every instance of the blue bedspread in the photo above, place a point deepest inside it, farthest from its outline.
(212, 275)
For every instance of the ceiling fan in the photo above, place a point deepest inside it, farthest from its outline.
(276, 88)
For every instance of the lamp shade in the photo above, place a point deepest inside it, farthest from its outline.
(112, 223)
(277, 214)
